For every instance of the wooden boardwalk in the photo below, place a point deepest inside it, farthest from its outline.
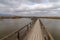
(35, 33)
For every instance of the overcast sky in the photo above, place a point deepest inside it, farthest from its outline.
(9, 6)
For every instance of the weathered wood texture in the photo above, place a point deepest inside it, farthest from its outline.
(35, 33)
(38, 32)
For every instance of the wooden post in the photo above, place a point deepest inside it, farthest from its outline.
(18, 36)
(27, 28)
(30, 25)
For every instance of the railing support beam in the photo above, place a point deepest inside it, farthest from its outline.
(18, 36)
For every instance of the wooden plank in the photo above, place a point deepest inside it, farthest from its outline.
(35, 33)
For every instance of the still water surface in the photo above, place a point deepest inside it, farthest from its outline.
(53, 26)
(9, 25)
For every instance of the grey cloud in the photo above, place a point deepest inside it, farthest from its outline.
(54, 0)
(10, 3)
(10, 6)
(36, 1)
(43, 1)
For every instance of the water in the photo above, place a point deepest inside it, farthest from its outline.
(9, 25)
(53, 26)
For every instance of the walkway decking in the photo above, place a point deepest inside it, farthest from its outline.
(35, 33)
(38, 32)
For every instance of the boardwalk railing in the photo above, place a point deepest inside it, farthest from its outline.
(19, 32)
(47, 35)
(38, 32)
(28, 27)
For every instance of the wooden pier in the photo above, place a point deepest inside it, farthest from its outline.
(34, 30)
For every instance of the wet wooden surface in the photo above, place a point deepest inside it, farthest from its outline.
(35, 33)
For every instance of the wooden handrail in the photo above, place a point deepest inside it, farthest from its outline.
(17, 31)
(46, 30)
(14, 32)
